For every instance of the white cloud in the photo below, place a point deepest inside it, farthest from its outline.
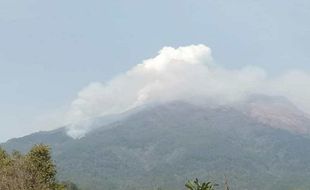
(181, 74)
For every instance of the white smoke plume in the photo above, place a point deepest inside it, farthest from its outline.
(183, 73)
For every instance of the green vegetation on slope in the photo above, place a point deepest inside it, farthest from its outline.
(164, 146)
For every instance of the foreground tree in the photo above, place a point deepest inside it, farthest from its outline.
(33, 171)
(40, 167)
(196, 185)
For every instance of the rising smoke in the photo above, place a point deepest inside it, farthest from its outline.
(182, 73)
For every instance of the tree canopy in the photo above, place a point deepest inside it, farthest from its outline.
(32, 171)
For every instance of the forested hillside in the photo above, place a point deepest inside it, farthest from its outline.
(163, 146)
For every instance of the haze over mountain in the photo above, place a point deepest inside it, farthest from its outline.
(188, 74)
(180, 115)
(141, 95)
(49, 50)
(262, 143)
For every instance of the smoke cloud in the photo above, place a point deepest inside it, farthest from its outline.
(184, 73)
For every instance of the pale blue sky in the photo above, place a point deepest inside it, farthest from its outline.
(49, 50)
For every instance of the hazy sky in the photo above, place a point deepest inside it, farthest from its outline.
(49, 50)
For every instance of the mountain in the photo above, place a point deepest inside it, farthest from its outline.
(277, 112)
(260, 144)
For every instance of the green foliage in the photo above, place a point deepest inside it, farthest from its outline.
(33, 171)
(196, 185)
(4, 159)
(40, 166)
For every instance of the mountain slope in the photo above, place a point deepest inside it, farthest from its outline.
(164, 145)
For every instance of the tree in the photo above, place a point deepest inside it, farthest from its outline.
(33, 171)
(196, 185)
(4, 158)
(41, 167)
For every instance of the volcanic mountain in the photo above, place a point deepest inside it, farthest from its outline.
(262, 143)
